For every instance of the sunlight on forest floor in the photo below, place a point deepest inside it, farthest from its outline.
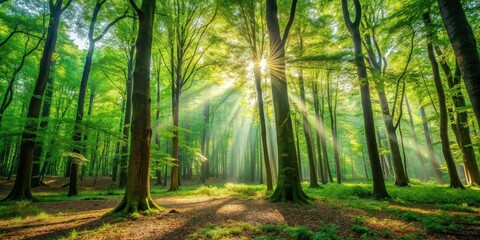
(225, 210)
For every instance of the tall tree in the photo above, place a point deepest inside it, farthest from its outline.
(187, 24)
(464, 46)
(379, 65)
(447, 152)
(379, 189)
(332, 110)
(460, 124)
(137, 194)
(243, 15)
(22, 186)
(289, 187)
(78, 129)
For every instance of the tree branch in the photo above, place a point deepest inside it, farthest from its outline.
(66, 6)
(110, 25)
(135, 7)
(290, 22)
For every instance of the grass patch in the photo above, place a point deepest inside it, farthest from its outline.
(20, 209)
(242, 230)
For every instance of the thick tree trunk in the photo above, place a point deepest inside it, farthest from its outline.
(137, 194)
(379, 189)
(465, 48)
(22, 186)
(289, 187)
(263, 128)
(447, 153)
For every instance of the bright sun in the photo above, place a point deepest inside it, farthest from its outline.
(263, 63)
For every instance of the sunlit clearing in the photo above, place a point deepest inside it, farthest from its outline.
(231, 208)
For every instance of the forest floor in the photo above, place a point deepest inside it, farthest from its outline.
(238, 211)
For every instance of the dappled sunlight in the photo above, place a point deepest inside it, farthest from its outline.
(231, 209)
(415, 209)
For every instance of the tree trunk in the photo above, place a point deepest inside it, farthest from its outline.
(398, 168)
(331, 103)
(452, 169)
(465, 48)
(460, 124)
(204, 142)
(319, 132)
(22, 186)
(37, 153)
(379, 189)
(288, 187)
(137, 194)
(78, 129)
(127, 119)
(263, 128)
(299, 156)
(307, 130)
(428, 138)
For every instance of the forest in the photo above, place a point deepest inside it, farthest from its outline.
(239, 119)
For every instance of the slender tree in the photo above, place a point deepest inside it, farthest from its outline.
(243, 15)
(379, 189)
(77, 132)
(379, 64)
(447, 153)
(22, 186)
(459, 123)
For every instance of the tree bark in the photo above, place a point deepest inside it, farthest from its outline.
(460, 124)
(447, 153)
(263, 128)
(288, 187)
(465, 48)
(332, 103)
(127, 118)
(307, 130)
(431, 153)
(137, 193)
(38, 151)
(320, 130)
(379, 189)
(22, 187)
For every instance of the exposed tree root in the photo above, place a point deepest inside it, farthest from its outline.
(133, 206)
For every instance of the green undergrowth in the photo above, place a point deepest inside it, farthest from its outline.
(241, 191)
(359, 195)
(242, 230)
(22, 209)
